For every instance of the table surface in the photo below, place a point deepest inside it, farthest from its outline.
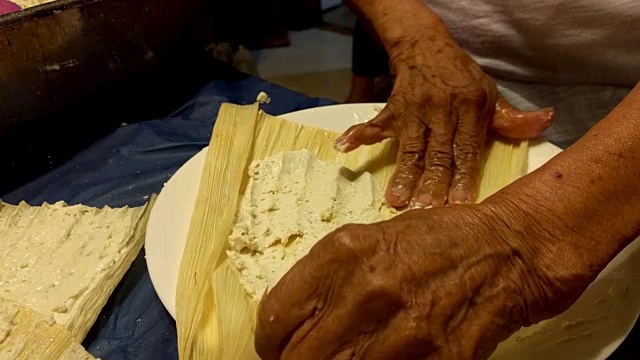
(125, 168)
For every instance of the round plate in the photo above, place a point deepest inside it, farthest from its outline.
(169, 222)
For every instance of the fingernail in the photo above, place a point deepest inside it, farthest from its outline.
(419, 207)
(396, 201)
(421, 202)
(397, 196)
(416, 206)
(460, 196)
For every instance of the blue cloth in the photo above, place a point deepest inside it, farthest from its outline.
(125, 168)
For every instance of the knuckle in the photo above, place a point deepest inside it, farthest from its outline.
(468, 141)
(408, 107)
(439, 175)
(347, 238)
(399, 100)
(382, 288)
(412, 146)
(442, 132)
(467, 153)
(474, 95)
(416, 330)
(440, 98)
(411, 159)
(470, 135)
(385, 292)
(428, 183)
(440, 158)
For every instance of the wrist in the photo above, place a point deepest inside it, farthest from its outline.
(557, 267)
(398, 22)
(418, 28)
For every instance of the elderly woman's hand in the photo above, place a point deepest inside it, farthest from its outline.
(440, 108)
(442, 283)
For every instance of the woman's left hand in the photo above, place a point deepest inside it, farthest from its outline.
(443, 283)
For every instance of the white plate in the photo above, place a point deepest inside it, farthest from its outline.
(169, 222)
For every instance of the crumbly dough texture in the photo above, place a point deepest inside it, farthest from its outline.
(60, 265)
(292, 201)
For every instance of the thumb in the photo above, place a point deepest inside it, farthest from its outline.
(368, 133)
(516, 124)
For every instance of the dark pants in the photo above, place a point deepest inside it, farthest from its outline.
(369, 59)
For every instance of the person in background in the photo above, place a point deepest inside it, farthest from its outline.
(451, 282)
(369, 63)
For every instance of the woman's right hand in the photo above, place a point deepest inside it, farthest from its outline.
(440, 109)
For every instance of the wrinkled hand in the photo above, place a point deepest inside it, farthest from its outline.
(442, 283)
(439, 110)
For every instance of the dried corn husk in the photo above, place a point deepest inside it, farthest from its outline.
(107, 240)
(26, 335)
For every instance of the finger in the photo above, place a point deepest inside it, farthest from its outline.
(317, 338)
(371, 132)
(345, 326)
(435, 180)
(515, 124)
(403, 338)
(348, 323)
(294, 299)
(409, 164)
(467, 147)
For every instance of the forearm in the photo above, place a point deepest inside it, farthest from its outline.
(393, 20)
(587, 198)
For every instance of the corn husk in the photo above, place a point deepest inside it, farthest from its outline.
(26, 335)
(118, 232)
(215, 318)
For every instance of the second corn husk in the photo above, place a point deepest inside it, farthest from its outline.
(27, 335)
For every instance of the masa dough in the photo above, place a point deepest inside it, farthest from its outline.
(292, 201)
(64, 261)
